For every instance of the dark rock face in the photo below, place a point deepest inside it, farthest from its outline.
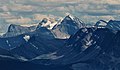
(108, 56)
(11, 42)
(113, 25)
(44, 32)
(86, 45)
(17, 65)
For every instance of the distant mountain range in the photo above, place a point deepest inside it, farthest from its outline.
(62, 28)
(67, 44)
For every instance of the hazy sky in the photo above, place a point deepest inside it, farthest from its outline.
(31, 11)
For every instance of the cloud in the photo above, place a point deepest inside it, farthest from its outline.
(7, 15)
(98, 13)
(19, 20)
(101, 1)
(89, 11)
(113, 1)
(114, 7)
(93, 19)
(116, 11)
(39, 16)
(17, 7)
(4, 8)
(56, 0)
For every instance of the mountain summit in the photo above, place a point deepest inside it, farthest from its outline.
(14, 30)
(68, 26)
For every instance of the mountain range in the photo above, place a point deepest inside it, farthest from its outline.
(68, 44)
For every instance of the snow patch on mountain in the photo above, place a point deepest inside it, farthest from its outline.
(34, 46)
(8, 43)
(26, 37)
(5, 56)
(21, 58)
(51, 56)
(71, 16)
(48, 23)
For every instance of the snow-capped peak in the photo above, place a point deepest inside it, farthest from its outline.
(48, 23)
(71, 16)
(101, 23)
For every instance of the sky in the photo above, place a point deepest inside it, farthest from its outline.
(32, 11)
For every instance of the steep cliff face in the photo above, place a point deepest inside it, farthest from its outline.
(68, 26)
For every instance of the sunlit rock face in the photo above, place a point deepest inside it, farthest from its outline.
(14, 30)
(68, 26)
